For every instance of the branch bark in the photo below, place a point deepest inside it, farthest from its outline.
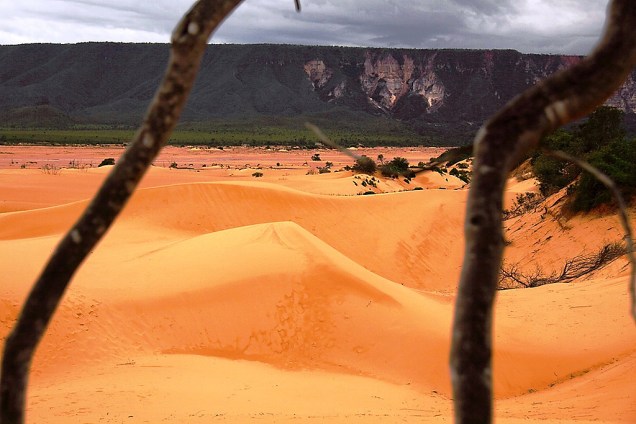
(510, 134)
(189, 41)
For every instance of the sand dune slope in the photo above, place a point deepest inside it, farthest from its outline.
(277, 294)
(241, 301)
(270, 292)
(422, 248)
(551, 334)
(606, 394)
(199, 389)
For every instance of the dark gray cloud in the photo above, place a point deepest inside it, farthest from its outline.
(539, 26)
(487, 7)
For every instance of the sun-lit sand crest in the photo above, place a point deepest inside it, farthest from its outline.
(280, 300)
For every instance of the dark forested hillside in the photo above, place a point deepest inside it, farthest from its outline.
(435, 93)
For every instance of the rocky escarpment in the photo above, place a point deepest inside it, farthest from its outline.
(429, 89)
(469, 84)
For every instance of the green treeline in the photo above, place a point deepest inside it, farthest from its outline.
(258, 131)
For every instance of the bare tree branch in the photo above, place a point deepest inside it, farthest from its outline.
(622, 213)
(326, 140)
(511, 276)
(511, 133)
(189, 41)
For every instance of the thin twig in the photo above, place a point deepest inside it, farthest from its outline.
(326, 140)
(509, 135)
(189, 41)
(622, 213)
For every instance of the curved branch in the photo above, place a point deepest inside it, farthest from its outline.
(189, 41)
(511, 133)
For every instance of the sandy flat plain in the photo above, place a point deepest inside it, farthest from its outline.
(219, 296)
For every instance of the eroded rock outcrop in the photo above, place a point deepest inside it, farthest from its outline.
(452, 85)
(318, 73)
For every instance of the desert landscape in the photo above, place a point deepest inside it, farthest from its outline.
(222, 295)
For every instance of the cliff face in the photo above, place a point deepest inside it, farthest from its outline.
(113, 83)
(447, 85)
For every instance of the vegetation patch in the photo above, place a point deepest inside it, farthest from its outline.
(396, 167)
(107, 161)
(364, 165)
(601, 141)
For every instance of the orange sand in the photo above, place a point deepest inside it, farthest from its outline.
(218, 296)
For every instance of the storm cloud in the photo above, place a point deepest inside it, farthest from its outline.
(530, 26)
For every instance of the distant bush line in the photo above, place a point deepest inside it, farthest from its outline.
(255, 132)
(400, 167)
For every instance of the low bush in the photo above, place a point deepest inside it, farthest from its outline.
(396, 167)
(107, 161)
(523, 203)
(365, 165)
(616, 160)
(462, 174)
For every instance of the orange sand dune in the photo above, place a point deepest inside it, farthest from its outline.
(356, 226)
(219, 297)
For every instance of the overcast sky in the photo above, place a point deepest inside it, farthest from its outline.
(530, 26)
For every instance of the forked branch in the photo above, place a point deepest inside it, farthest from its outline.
(189, 41)
(506, 137)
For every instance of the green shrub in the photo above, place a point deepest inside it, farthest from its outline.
(365, 165)
(616, 160)
(601, 141)
(603, 126)
(398, 166)
(389, 172)
(461, 174)
(553, 174)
